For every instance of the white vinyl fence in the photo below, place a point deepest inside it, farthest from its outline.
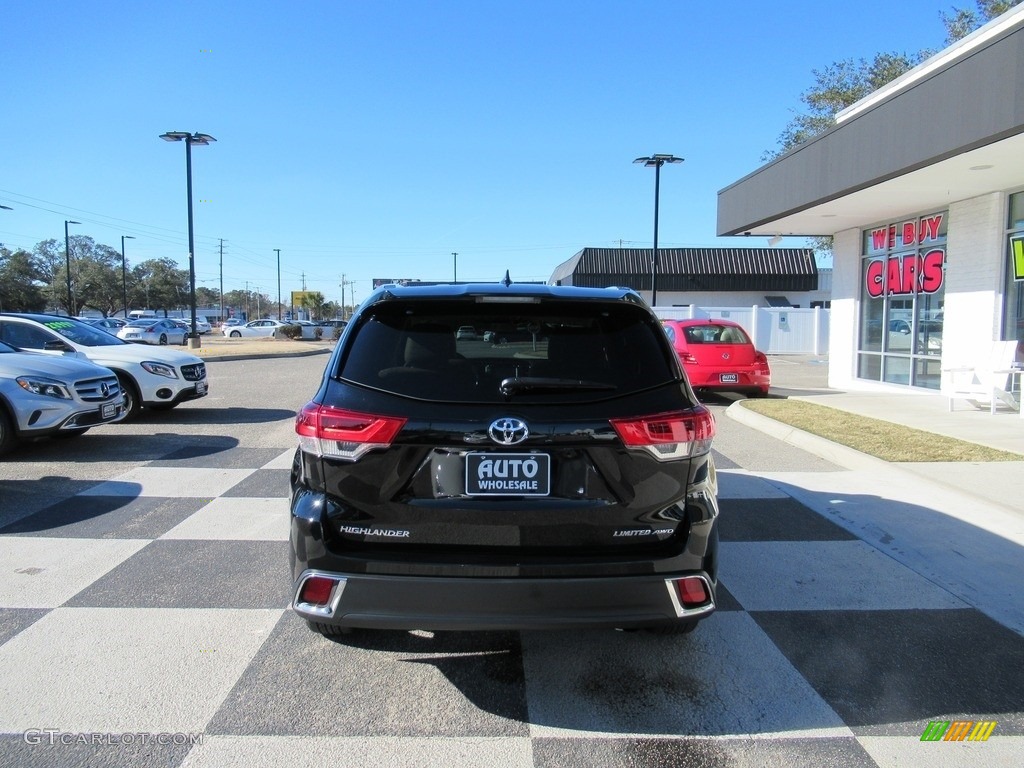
(775, 330)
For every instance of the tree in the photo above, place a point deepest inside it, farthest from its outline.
(315, 303)
(207, 297)
(159, 284)
(962, 21)
(843, 83)
(21, 282)
(95, 274)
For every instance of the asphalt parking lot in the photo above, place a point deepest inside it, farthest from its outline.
(144, 621)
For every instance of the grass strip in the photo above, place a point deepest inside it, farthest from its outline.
(883, 439)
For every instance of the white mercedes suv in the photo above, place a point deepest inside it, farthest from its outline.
(151, 377)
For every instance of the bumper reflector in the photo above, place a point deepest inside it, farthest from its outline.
(317, 590)
(692, 592)
(690, 595)
(317, 594)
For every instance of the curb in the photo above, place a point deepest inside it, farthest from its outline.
(263, 355)
(819, 446)
(851, 459)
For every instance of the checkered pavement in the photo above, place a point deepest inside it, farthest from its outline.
(151, 610)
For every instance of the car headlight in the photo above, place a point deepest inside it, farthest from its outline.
(39, 385)
(160, 369)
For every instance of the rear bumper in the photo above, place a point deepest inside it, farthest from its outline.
(403, 602)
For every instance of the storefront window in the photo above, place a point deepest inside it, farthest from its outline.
(1013, 326)
(902, 293)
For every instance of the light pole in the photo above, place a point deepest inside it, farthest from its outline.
(202, 140)
(455, 267)
(67, 262)
(656, 161)
(124, 275)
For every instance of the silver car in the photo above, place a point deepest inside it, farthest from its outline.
(42, 396)
(149, 331)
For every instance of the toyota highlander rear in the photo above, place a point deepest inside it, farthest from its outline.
(552, 469)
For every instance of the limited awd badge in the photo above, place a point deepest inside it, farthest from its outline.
(508, 431)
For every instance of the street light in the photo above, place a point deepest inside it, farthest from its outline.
(656, 161)
(67, 261)
(202, 140)
(124, 277)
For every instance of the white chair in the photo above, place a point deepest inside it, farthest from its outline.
(985, 384)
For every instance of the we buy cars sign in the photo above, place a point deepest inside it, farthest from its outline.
(918, 271)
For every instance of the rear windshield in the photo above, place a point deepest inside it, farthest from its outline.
(478, 352)
(716, 334)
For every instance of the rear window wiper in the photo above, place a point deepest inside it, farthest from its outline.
(514, 385)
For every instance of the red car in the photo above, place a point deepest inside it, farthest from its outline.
(719, 356)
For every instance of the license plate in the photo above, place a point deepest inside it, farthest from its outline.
(201, 388)
(729, 378)
(108, 411)
(508, 474)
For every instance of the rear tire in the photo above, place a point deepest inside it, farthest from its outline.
(329, 630)
(683, 628)
(235, 335)
(163, 339)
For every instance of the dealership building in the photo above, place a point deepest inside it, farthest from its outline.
(921, 186)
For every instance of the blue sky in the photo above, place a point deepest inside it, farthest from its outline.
(373, 139)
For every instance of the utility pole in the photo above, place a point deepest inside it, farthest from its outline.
(343, 281)
(278, 252)
(222, 281)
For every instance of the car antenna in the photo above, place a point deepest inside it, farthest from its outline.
(507, 281)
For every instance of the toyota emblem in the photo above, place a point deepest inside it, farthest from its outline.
(508, 431)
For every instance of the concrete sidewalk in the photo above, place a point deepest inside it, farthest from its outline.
(959, 524)
(1001, 483)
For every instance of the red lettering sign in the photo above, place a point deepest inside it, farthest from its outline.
(905, 275)
(930, 228)
(932, 270)
(878, 240)
(874, 284)
(909, 233)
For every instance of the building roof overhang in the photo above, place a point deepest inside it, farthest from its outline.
(949, 130)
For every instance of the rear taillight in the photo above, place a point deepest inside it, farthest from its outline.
(687, 359)
(340, 434)
(761, 361)
(669, 436)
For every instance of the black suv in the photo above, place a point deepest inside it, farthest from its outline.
(553, 470)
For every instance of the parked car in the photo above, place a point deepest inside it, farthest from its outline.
(466, 332)
(42, 396)
(929, 335)
(719, 356)
(255, 328)
(108, 324)
(202, 326)
(335, 323)
(164, 331)
(150, 377)
(565, 481)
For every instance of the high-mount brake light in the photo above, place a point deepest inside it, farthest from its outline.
(341, 434)
(668, 436)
